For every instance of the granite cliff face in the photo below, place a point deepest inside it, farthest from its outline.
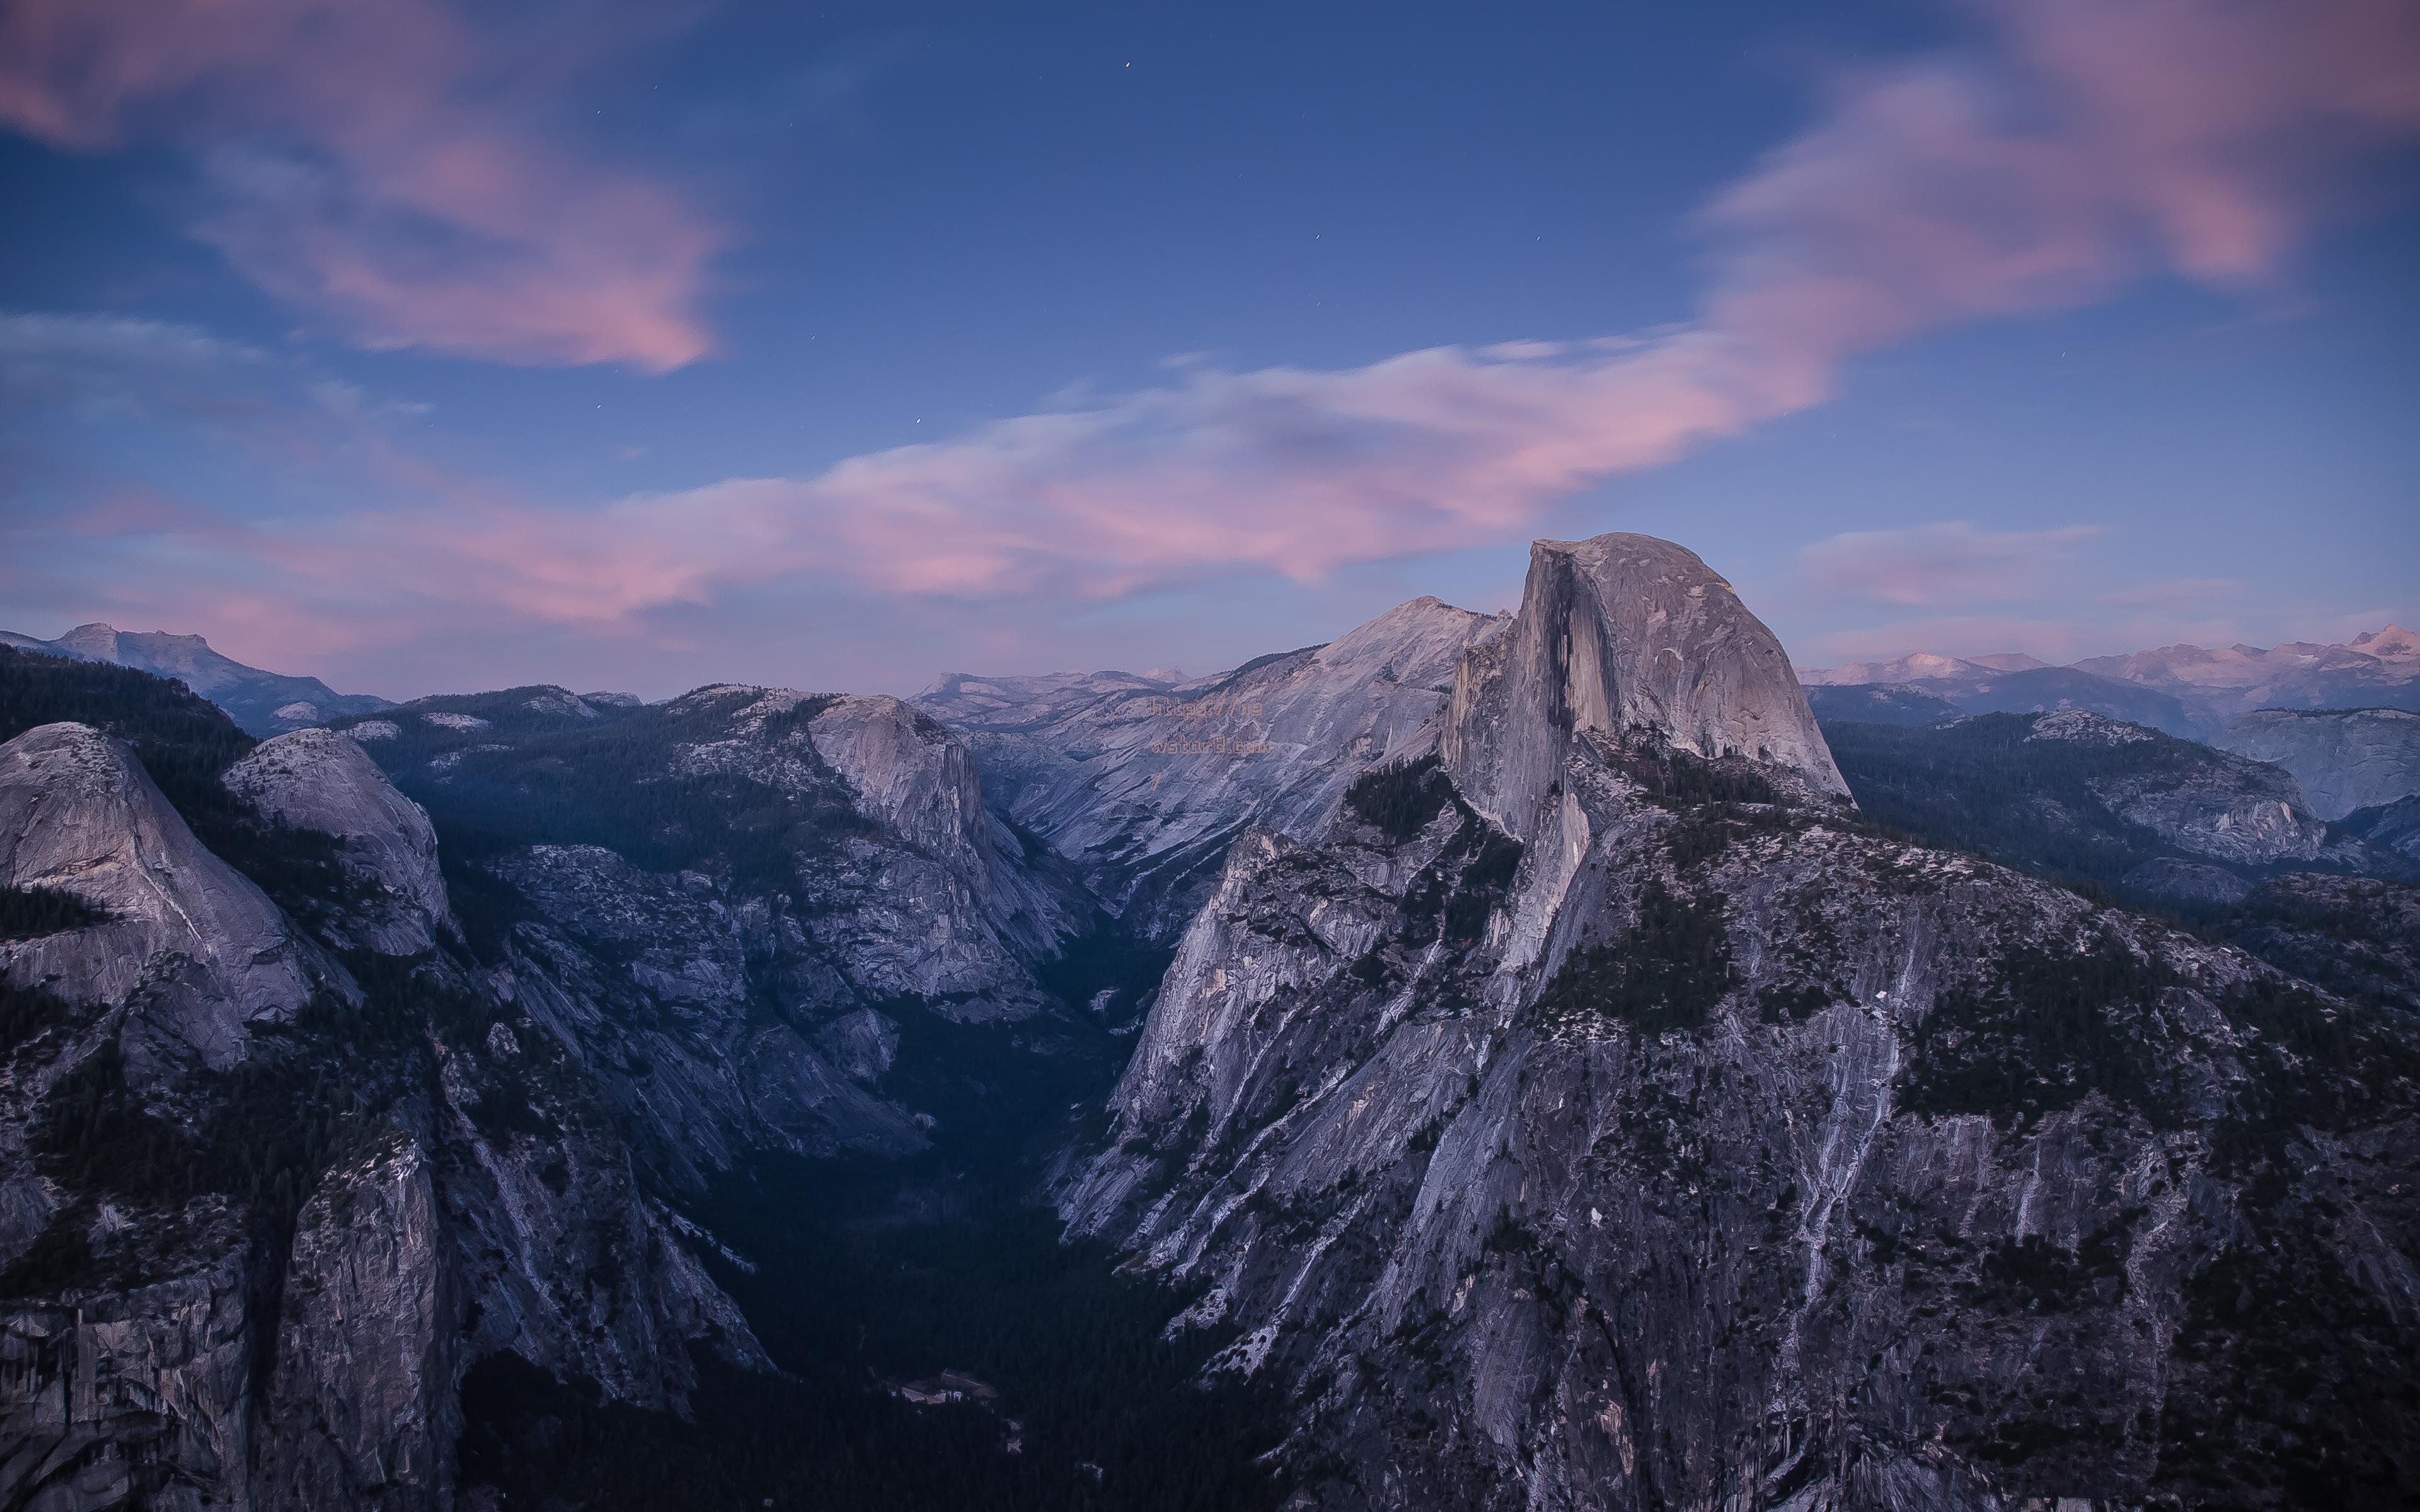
(1144, 784)
(189, 951)
(287, 1150)
(1605, 1117)
(1563, 1095)
(1617, 634)
(319, 780)
(2345, 759)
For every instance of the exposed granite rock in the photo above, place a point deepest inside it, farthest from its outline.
(955, 911)
(193, 950)
(2345, 759)
(2072, 795)
(655, 982)
(862, 1044)
(1143, 782)
(321, 781)
(1840, 1224)
(360, 1406)
(2395, 826)
(137, 1398)
(2214, 804)
(1615, 634)
(1709, 1152)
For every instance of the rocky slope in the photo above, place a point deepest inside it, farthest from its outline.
(287, 1150)
(186, 1068)
(2345, 759)
(189, 949)
(865, 817)
(1605, 1117)
(2077, 797)
(265, 704)
(321, 781)
(2394, 826)
(1144, 783)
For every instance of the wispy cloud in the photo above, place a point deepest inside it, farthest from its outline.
(2083, 145)
(2078, 145)
(1926, 567)
(363, 162)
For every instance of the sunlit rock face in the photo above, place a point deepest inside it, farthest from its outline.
(192, 951)
(1142, 783)
(319, 780)
(1634, 1127)
(1621, 634)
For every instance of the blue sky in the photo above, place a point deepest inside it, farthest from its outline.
(425, 347)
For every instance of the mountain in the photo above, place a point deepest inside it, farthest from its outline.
(2395, 825)
(356, 1152)
(1144, 783)
(1485, 1061)
(2183, 690)
(1902, 704)
(915, 889)
(1916, 667)
(264, 703)
(2379, 669)
(2345, 759)
(2013, 683)
(1603, 1114)
(2086, 800)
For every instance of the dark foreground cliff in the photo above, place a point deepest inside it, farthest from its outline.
(618, 1125)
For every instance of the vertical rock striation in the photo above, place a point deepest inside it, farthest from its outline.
(1609, 1119)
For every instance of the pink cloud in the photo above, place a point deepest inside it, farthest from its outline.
(360, 163)
(2083, 145)
(2088, 145)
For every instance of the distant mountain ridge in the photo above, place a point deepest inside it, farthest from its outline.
(2183, 690)
(263, 702)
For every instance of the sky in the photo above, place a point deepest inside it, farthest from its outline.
(425, 347)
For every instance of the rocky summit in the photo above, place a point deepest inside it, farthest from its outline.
(1609, 1117)
(1484, 1061)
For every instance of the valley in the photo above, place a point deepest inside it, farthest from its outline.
(1550, 1067)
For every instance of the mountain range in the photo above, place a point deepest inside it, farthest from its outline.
(2183, 690)
(265, 704)
(1535, 1061)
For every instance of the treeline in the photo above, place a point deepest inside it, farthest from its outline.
(30, 913)
(1668, 972)
(184, 741)
(1981, 786)
(186, 744)
(620, 782)
(872, 1273)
